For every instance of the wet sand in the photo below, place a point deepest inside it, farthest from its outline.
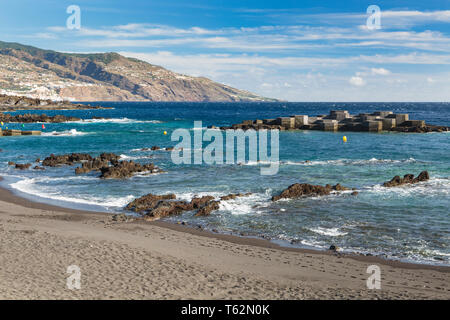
(142, 260)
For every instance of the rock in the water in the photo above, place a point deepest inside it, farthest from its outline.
(298, 190)
(92, 165)
(66, 159)
(407, 179)
(148, 201)
(155, 148)
(126, 169)
(96, 164)
(31, 118)
(197, 203)
(10, 163)
(234, 196)
(155, 207)
(168, 208)
(208, 208)
(158, 206)
(23, 166)
(38, 168)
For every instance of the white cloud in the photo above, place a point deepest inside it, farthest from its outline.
(380, 71)
(357, 81)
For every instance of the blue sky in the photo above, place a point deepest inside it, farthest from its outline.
(294, 50)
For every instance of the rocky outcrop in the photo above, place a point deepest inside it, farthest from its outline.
(107, 163)
(407, 179)
(66, 159)
(126, 169)
(23, 166)
(31, 118)
(307, 190)
(232, 196)
(96, 164)
(198, 203)
(209, 207)
(153, 207)
(148, 201)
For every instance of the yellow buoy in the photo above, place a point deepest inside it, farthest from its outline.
(165, 132)
(344, 138)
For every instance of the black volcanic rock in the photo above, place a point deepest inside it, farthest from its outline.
(407, 179)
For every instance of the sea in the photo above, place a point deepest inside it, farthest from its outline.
(408, 223)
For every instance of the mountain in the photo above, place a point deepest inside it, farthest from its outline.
(47, 74)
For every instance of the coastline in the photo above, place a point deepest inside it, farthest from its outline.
(138, 257)
(9, 196)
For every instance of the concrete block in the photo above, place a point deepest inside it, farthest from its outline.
(339, 114)
(300, 120)
(287, 122)
(330, 125)
(388, 123)
(312, 120)
(12, 133)
(373, 126)
(369, 117)
(31, 133)
(399, 117)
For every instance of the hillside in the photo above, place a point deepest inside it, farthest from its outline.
(46, 74)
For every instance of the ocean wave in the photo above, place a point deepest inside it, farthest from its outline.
(313, 244)
(245, 204)
(346, 162)
(30, 186)
(331, 232)
(66, 133)
(434, 187)
(125, 157)
(113, 120)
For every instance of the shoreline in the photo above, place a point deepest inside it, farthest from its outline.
(10, 196)
(136, 259)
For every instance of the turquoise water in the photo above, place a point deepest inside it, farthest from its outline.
(410, 223)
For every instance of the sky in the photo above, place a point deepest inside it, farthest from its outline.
(313, 50)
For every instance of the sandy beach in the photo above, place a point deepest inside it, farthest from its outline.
(142, 260)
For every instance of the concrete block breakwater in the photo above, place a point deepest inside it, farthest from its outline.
(9, 133)
(342, 120)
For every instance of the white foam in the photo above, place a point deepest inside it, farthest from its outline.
(432, 187)
(125, 157)
(346, 162)
(66, 133)
(331, 232)
(29, 186)
(312, 243)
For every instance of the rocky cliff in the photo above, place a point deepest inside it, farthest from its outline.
(45, 74)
